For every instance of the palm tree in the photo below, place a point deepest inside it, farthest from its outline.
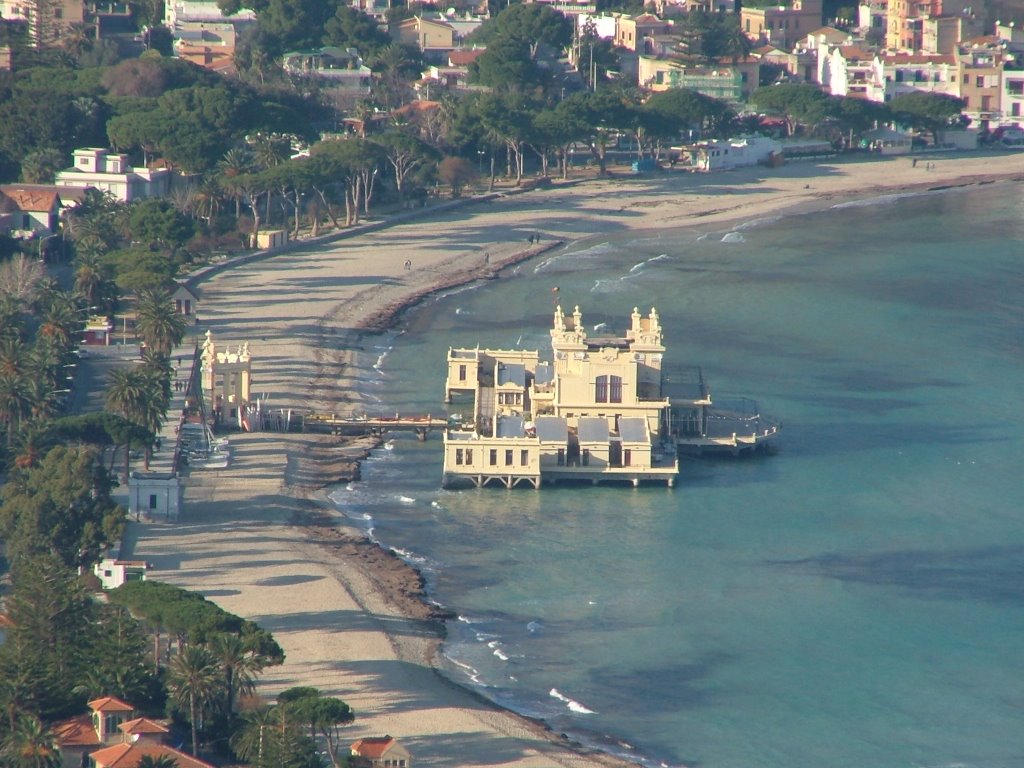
(30, 745)
(158, 761)
(195, 684)
(126, 395)
(270, 151)
(256, 739)
(14, 403)
(238, 665)
(60, 318)
(237, 161)
(161, 328)
(88, 275)
(207, 199)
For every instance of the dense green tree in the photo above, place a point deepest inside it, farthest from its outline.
(799, 104)
(507, 117)
(42, 657)
(321, 715)
(34, 120)
(606, 112)
(714, 37)
(507, 64)
(925, 111)
(286, 25)
(117, 650)
(689, 110)
(41, 166)
(456, 172)
(144, 129)
(396, 66)
(559, 128)
(405, 154)
(596, 57)
(351, 28)
(62, 506)
(534, 24)
(859, 115)
(139, 268)
(350, 162)
(158, 223)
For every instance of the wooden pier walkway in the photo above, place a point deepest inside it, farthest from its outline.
(334, 424)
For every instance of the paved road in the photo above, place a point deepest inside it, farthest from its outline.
(88, 390)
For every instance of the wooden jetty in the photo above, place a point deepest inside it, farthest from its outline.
(335, 424)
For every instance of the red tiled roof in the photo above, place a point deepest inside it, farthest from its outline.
(853, 53)
(31, 199)
(109, 704)
(917, 58)
(462, 58)
(143, 725)
(129, 755)
(372, 747)
(76, 732)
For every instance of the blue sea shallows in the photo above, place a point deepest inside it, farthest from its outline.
(856, 599)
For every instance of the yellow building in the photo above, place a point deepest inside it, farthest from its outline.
(603, 409)
(595, 413)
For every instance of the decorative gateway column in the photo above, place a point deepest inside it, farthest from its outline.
(227, 379)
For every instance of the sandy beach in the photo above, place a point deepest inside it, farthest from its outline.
(259, 537)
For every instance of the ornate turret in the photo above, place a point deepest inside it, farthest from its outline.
(568, 333)
(645, 332)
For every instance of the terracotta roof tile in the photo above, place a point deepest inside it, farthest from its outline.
(110, 704)
(917, 58)
(129, 755)
(462, 58)
(143, 725)
(76, 732)
(31, 199)
(372, 747)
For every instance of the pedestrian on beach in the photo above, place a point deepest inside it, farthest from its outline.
(487, 258)
(408, 264)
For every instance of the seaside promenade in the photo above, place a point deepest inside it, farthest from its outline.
(301, 313)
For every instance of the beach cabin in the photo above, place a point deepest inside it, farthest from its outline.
(724, 155)
(186, 303)
(154, 495)
(886, 141)
(380, 752)
(113, 572)
(268, 239)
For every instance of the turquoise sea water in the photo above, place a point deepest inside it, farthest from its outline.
(856, 599)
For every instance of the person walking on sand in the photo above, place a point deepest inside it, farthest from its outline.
(408, 264)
